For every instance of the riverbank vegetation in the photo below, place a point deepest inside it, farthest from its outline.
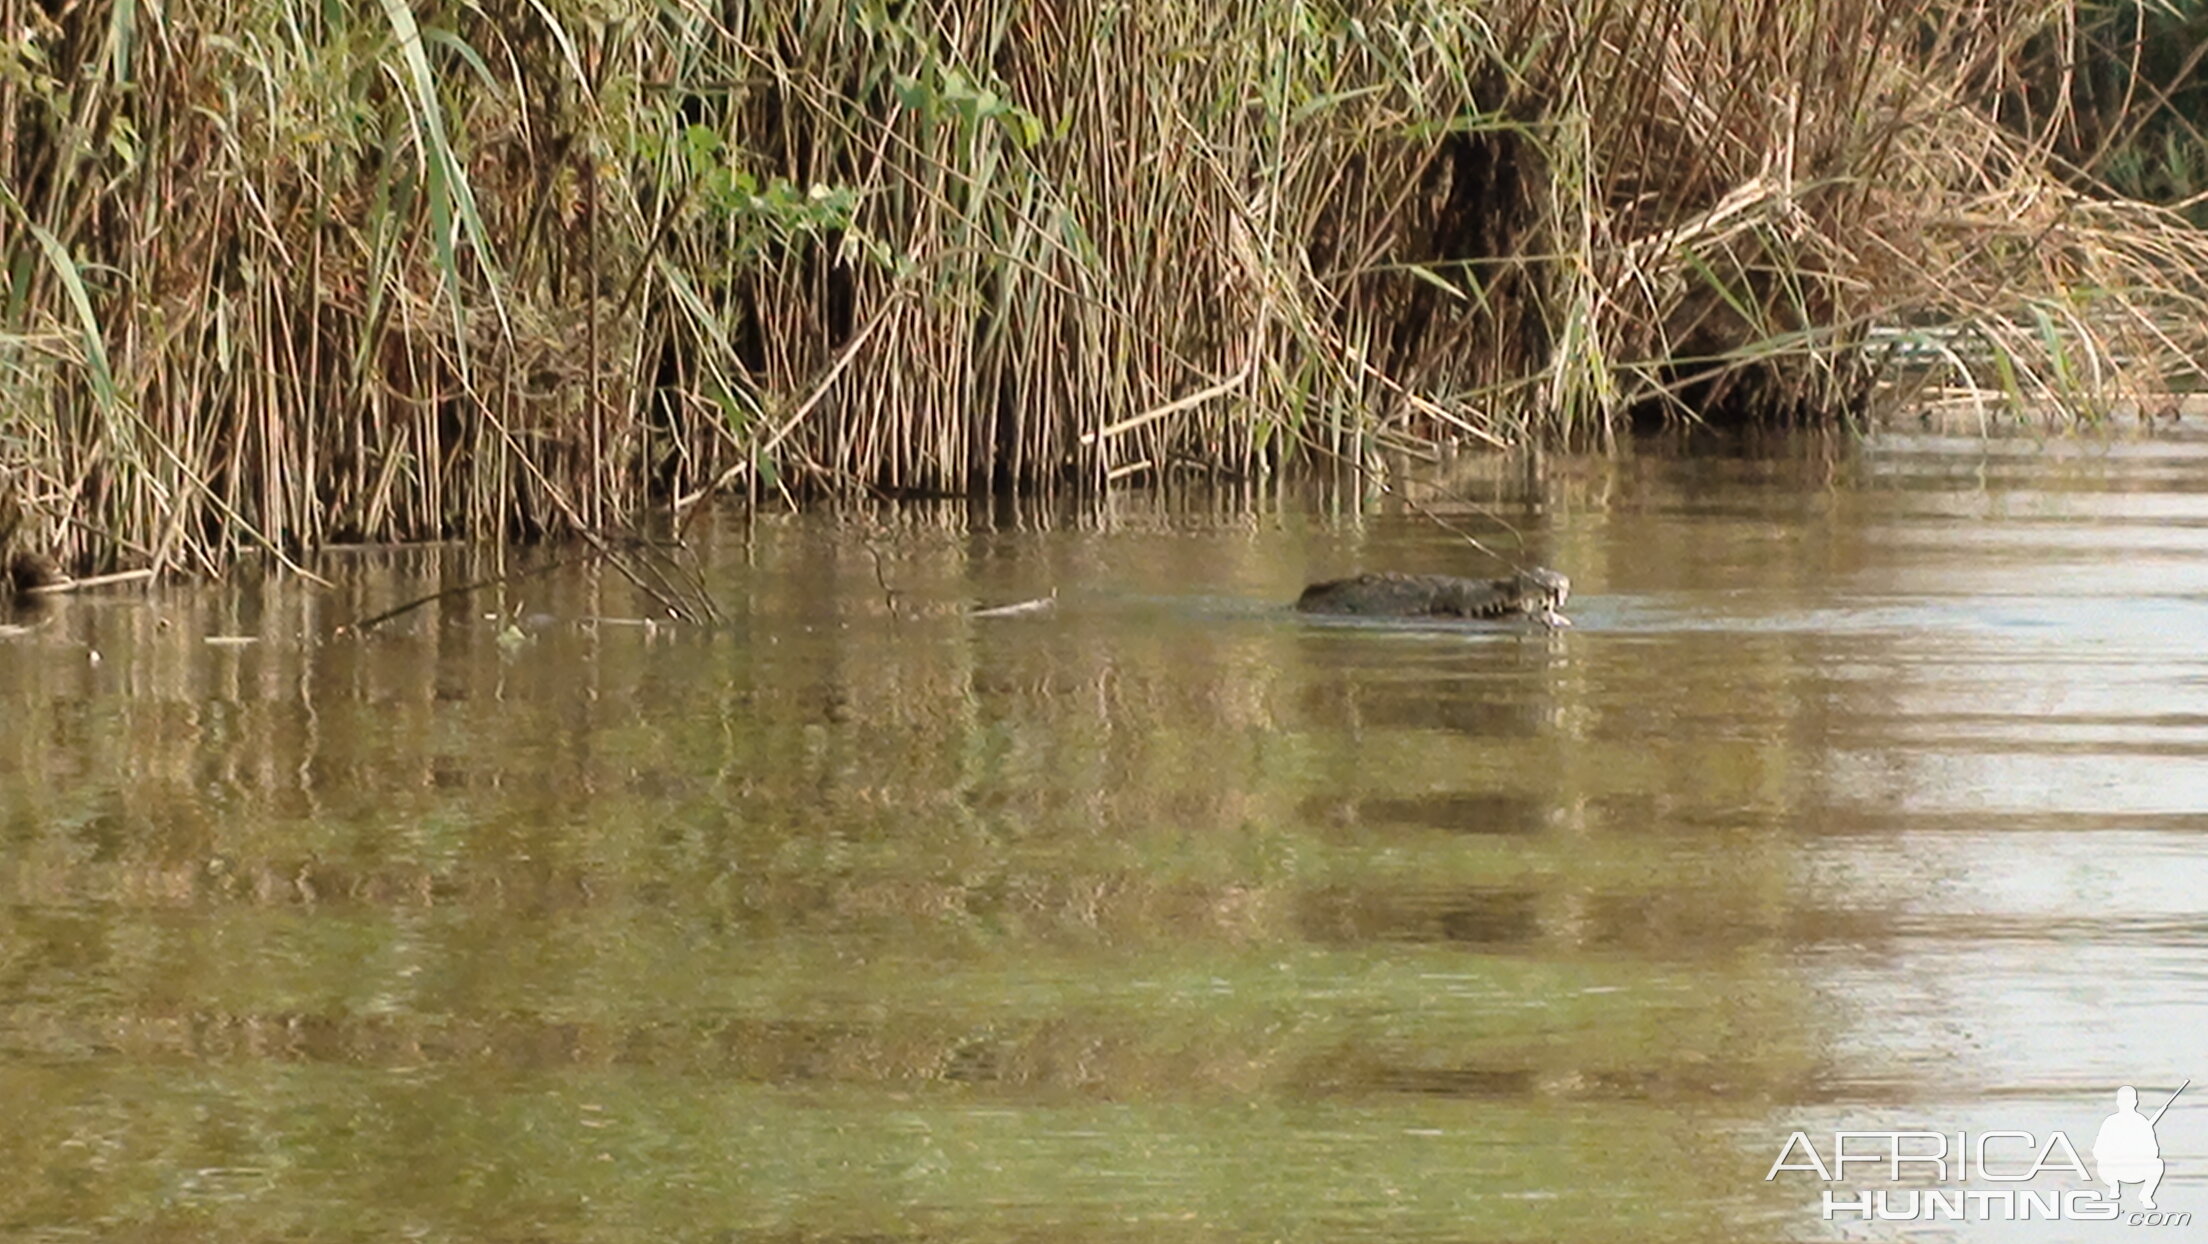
(279, 274)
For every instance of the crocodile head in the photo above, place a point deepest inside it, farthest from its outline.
(1541, 589)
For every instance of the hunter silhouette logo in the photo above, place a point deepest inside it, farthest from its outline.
(1996, 1175)
(2126, 1151)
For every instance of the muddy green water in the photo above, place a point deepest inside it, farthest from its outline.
(1868, 793)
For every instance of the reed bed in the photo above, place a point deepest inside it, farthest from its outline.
(284, 274)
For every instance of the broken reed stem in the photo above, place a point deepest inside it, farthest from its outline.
(67, 586)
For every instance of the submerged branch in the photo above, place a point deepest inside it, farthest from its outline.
(686, 601)
(363, 625)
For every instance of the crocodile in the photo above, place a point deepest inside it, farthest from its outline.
(1537, 594)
